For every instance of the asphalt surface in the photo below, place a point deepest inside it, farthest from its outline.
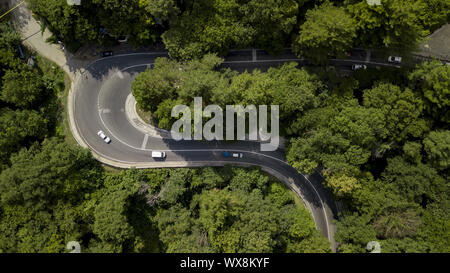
(99, 101)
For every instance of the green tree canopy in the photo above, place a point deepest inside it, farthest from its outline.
(327, 31)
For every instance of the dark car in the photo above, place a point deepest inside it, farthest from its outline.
(226, 154)
(106, 54)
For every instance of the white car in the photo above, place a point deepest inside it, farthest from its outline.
(359, 66)
(394, 59)
(238, 155)
(104, 137)
(158, 154)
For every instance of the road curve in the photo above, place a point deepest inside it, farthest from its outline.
(97, 102)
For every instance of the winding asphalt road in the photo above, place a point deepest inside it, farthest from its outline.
(98, 98)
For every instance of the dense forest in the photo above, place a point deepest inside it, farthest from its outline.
(380, 137)
(53, 192)
(191, 28)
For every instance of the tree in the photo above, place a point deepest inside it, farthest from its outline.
(432, 79)
(247, 180)
(111, 224)
(437, 147)
(412, 151)
(174, 224)
(295, 90)
(18, 126)
(176, 186)
(327, 31)
(54, 172)
(316, 243)
(433, 13)
(402, 110)
(279, 195)
(169, 80)
(397, 224)
(394, 24)
(354, 232)
(9, 40)
(96, 21)
(207, 178)
(70, 24)
(23, 88)
(435, 225)
(417, 183)
(163, 9)
(342, 185)
(215, 26)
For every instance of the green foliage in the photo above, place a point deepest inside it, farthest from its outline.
(17, 128)
(394, 24)
(190, 29)
(39, 207)
(354, 232)
(327, 31)
(437, 147)
(412, 151)
(175, 186)
(111, 224)
(77, 25)
(49, 177)
(397, 224)
(8, 40)
(22, 88)
(236, 218)
(170, 83)
(402, 110)
(418, 183)
(432, 79)
(215, 26)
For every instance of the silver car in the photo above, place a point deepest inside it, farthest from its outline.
(394, 59)
(238, 155)
(359, 66)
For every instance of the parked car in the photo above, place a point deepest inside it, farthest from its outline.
(359, 66)
(394, 59)
(226, 154)
(103, 136)
(158, 154)
(106, 54)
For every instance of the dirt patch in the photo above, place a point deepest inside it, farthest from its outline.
(145, 116)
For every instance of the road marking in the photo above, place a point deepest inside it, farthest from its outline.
(123, 55)
(369, 52)
(144, 143)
